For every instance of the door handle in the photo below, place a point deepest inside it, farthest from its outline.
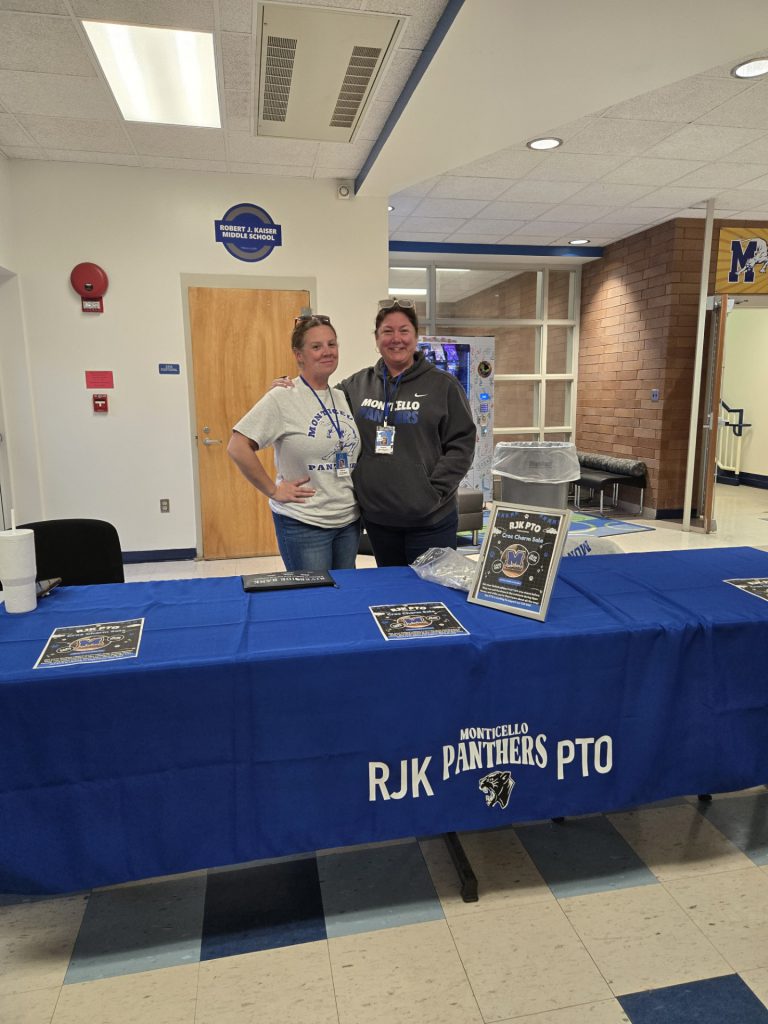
(210, 440)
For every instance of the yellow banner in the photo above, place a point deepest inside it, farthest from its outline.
(742, 261)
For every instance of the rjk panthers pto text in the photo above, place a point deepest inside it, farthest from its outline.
(490, 749)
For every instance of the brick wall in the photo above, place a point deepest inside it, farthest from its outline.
(638, 332)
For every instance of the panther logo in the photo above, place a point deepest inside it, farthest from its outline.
(746, 256)
(497, 788)
(346, 443)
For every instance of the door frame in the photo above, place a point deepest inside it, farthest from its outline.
(247, 283)
(713, 376)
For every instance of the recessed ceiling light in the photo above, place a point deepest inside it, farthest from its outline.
(158, 75)
(549, 143)
(391, 209)
(751, 68)
(407, 291)
(579, 241)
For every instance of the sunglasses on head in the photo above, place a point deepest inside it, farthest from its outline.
(304, 317)
(396, 304)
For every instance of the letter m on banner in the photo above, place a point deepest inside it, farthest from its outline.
(742, 261)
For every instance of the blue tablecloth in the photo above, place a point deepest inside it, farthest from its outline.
(257, 725)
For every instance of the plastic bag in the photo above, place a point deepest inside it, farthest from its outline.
(447, 567)
(537, 462)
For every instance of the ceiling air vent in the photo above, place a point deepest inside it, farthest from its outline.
(318, 69)
(362, 65)
(278, 71)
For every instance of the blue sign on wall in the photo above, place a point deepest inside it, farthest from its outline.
(169, 368)
(248, 233)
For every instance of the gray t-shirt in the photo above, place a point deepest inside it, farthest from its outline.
(305, 440)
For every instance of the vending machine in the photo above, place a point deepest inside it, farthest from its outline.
(471, 362)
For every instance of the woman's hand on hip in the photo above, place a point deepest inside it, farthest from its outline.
(293, 490)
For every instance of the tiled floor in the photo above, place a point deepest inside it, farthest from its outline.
(656, 915)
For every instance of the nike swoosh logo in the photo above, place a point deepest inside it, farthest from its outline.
(421, 396)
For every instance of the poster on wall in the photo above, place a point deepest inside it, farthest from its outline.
(742, 261)
(518, 563)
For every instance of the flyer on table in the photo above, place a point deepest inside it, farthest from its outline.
(413, 621)
(98, 641)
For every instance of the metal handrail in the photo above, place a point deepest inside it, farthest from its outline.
(738, 426)
(729, 442)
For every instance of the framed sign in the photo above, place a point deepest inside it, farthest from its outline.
(518, 562)
(742, 261)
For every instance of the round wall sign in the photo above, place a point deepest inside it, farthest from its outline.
(248, 232)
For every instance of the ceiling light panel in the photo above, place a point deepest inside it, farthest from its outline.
(158, 75)
(318, 69)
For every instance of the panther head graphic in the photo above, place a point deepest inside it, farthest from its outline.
(497, 787)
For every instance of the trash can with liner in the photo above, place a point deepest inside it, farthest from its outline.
(536, 472)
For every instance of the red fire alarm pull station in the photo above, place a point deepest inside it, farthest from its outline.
(100, 403)
(91, 283)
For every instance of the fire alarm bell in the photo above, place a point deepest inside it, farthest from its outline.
(100, 403)
(91, 283)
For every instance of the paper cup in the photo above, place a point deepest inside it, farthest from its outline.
(18, 570)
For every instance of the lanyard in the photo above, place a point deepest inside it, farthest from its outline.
(336, 424)
(396, 385)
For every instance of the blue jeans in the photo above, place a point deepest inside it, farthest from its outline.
(304, 547)
(401, 545)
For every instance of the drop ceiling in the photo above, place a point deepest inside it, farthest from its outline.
(652, 122)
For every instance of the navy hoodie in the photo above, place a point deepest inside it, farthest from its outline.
(434, 443)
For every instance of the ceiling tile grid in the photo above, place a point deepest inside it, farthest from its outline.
(76, 134)
(622, 168)
(628, 167)
(236, 15)
(57, 95)
(38, 42)
(48, 73)
(487, 228)
(194, 15)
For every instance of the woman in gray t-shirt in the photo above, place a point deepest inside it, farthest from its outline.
(316, 442)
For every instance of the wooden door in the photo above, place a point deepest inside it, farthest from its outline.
(241, 341)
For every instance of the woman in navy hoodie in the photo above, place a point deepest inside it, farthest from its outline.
(418, 440)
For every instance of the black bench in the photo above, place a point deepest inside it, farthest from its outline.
(600, 473)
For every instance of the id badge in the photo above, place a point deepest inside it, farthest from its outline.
(385, 440)
(342, 464)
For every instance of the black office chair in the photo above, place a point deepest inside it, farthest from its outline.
(79, 551)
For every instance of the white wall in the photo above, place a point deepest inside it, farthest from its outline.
(5, 212)
(147, 228)
(19, 466)
(745, 373)
(19, 477)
